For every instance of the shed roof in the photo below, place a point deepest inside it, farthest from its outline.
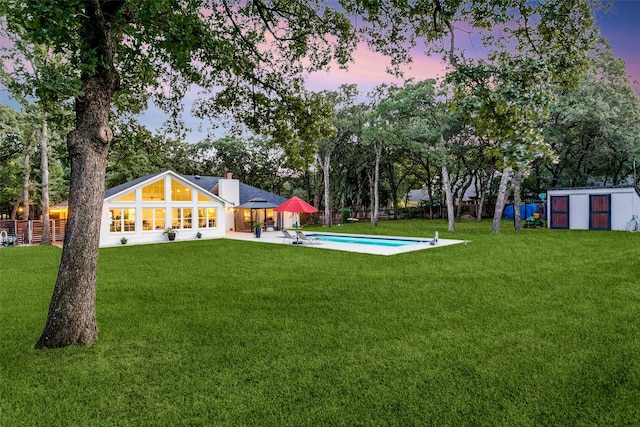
(591, 187)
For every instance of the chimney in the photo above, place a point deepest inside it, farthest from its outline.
(229, 188)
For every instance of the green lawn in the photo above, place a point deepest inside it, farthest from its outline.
(539, 327)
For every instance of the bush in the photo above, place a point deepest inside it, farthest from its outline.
(345, 214)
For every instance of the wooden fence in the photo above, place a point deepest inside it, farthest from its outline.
(30, 232)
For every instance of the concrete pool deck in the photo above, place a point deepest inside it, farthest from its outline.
(278, 238)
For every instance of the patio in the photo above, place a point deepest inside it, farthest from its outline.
(278, 238)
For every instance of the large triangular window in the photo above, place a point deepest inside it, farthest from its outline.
(203, 198)
(153, 192)
(129, 197)
(179, 192)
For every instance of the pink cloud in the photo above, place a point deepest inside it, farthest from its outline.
(368, 70)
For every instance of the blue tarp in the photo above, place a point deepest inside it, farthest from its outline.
(525, 211)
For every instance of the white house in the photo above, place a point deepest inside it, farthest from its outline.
(238, 194)
(593, 208)
(141, 210)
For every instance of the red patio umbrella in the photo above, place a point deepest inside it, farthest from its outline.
(296, 205)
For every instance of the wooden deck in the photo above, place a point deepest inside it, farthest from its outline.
(30, 232)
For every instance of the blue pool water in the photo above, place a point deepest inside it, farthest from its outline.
(361, 240)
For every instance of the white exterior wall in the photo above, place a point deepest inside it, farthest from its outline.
(289, 219)
(623, 205)
(229, 190)
(139, 236)
(625, 202)
(579, 211)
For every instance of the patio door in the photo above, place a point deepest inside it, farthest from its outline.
(600, 212)
(559, 212)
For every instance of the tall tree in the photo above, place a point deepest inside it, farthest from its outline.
(414, 119)
(10, 151)
(253, 50)
(593, 128)
(379, 132)
(44, 183)
(506, 95)
(40, 80)
(249, 56)
(26, 176)
(347, 122)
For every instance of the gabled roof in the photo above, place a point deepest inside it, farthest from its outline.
(247, 192)
(416, 196)
(127, 185)
(206, 182)
(123, 188)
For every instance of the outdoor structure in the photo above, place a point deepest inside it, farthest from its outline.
(593, 208)
(246, 204)
(141, 210)
(414, 198)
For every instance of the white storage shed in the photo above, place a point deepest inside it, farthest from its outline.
(593, 208)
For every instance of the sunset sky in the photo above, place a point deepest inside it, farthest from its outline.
(620, 26)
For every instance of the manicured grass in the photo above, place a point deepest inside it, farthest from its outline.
(539, 327)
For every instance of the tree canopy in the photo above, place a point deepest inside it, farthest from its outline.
(248, 60)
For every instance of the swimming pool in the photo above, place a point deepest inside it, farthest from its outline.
(361, 243)
(366, 240)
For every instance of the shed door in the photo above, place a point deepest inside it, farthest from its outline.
(600, 212)
(559, 212)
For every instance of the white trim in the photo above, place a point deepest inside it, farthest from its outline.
(138, 236)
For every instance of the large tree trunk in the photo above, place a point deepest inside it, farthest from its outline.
(14, 210)
(327, 200)
(500, 201)
(517, 181)
(44, 166)
(72, 316)
(26, 178)
(376, 183)
(446, 182)
(429, 185)
(482, 191)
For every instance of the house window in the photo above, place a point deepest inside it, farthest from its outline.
(153, 192)
(203, 198)
(181, 218)
(122, 220)
(115, 220)
(207, 217)
(129, 197)
(153, 219)
(179, 192)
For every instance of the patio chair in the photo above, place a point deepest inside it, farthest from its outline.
(304, 238)
(288, 236)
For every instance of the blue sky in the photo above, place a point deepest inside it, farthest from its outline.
(621, 27)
